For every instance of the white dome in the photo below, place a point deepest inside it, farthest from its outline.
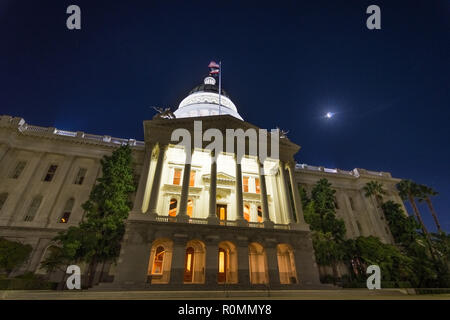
(203, 101)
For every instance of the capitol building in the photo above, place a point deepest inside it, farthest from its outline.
(203, 224)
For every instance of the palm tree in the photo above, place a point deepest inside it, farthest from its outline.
(409, 191)
(375, 191)
(425, 193)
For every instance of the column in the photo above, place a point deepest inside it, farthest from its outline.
(152, 206)
(178, 261)
(263, 195)
(182, 212)
(211, 263)
(243, 264)
(239, 196)
(272, 265)
(295, 194)
(143, 180)
(212, 216)
(285, 191)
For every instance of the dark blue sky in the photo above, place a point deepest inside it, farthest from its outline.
(285, 63)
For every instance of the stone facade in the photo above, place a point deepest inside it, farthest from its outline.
(47, 173)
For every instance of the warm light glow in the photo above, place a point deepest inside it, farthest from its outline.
(177, 176)
(189, 261)
(190, 207)
(245, 184)
(158, 261)
(258, 189)
(221, 261)
(247, 212)
(173, 207)
(260, 214)
(192, 179)
(222, 213)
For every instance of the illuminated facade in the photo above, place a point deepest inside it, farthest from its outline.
(203, 224)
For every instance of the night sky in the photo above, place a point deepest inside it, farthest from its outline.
(285, 63)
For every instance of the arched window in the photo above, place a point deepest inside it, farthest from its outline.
(158, 260)
(67, 211)
(247, 212)
(3, 197)
(34, 207)
(189, 265)
(260, 219)
(190, 207)
(173, 207)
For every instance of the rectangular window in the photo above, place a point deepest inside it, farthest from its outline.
(221, 261)
(192, 179)
(245, 184)
(176, 176)
(352, 205)
(18, 169)
(336, 204)
(50, 173)
(257, 187)
(34, 207)
(80, 176)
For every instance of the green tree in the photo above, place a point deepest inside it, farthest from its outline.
(97, 239)
(375, 191)
(403, 228)
(328, 231)
(425, 193)
(409, 191)
(13, 254)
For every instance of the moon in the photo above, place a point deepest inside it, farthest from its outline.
(329, 115)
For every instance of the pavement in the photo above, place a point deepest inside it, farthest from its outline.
(342, 294)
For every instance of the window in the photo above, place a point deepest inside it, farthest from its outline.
(50, 173)
(3, 197)
(80, 176)
(34, 207)
(18, 170)
(176, 176)
(67, 211)
(352, 205)
(192, 179)
(221, 260)
(190, 207)
(260, 219)
(158, 261)
(247, 212)
(245, 184)
(257, 187)
(173, 207)
(359, 227)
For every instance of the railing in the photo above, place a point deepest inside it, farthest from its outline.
(281, 226)
(198, 221)
(255, 225)
(355, 172)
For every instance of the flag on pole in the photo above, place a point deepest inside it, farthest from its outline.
(214, 71)
(213, 64)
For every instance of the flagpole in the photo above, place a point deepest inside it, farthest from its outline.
(220, 84)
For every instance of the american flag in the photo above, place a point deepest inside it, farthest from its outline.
(213, 64)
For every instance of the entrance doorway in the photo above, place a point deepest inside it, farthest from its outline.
(189, 265)
(221, 211)
(223, 262)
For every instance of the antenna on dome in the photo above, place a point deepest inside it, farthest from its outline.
(217, 69)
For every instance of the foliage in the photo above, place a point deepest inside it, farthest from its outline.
(403, 228)
(320, 211)
(97, 238)
(394, 265)
(13, 254)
